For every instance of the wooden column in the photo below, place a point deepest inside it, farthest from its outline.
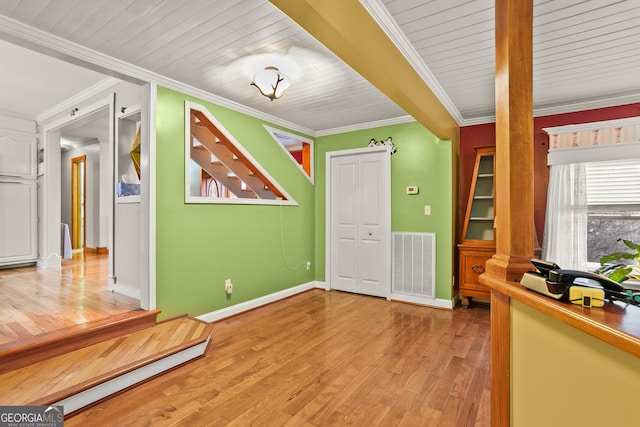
(514, 140)
(514, 185)
(500, 359)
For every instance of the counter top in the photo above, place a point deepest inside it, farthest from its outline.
(615, 323)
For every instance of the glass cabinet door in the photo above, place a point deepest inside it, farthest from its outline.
(479, 218)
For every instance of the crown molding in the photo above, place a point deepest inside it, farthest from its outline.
(41, 41)
(383, 18)
(585, 127)
(89, 92)
(482, 120)
(14, 115)
(587, 105)
(564, 109)
(367, 125)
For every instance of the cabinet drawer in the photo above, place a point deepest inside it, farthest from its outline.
(472, 267)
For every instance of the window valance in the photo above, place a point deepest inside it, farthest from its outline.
(596, 141)
(595, 133)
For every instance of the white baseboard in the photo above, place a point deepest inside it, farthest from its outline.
(267, 299)
(127, 290)
(414, 299)
(431, 302)
(53, 261)
(254, 303)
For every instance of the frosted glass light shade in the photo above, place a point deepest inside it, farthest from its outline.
(271, 82)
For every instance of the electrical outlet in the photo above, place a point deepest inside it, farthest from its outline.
(308, 265)
(228, 286)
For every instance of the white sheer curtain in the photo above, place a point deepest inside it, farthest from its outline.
(565, 231)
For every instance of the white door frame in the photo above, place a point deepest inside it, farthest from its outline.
(387, 170)
(49, 252)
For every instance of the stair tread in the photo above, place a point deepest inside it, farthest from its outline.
(25, 352)
(76, 329)
(54, 379)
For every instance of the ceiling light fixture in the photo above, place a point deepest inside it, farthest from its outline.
(271, 82)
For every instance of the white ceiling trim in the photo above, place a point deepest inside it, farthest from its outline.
(14, 115)
(588, 105)
(381, 15)
(478, 121)
(586, 127)
(17, 31)
(67, 104)
(566, 108)
(367, 125)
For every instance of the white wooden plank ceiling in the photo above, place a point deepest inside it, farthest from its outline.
(586, 52)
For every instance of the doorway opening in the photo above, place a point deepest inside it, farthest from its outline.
(78, 203)
(85, 180)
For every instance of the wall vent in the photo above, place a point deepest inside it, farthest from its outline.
(414, 264)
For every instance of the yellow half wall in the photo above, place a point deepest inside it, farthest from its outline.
(564, 377)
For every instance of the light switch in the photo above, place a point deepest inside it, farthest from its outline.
(427, 210)
(412, 189)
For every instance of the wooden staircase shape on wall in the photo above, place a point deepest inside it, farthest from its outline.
(94, 372)
(229, 164)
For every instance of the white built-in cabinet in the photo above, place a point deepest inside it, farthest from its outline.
(18, 192)
(17, 155)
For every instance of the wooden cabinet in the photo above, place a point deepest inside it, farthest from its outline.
(478, 233)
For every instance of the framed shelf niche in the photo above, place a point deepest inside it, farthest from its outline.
(127, 160)
(478, 232)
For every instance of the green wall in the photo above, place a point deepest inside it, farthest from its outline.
(200, 245)
(423, 160)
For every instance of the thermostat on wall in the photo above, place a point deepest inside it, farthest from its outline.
(412, 190)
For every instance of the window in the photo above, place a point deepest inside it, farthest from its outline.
(613, 206)
(583, 223)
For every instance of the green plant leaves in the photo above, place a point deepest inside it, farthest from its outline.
(619, 272)
(631, 245)
(617, 256)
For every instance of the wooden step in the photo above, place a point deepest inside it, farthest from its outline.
(44, 346)
(87, 375)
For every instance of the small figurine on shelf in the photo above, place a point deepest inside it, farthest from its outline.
(387, 142)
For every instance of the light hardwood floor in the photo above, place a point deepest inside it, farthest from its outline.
(60, 377)
(35, 302)
(323, 359)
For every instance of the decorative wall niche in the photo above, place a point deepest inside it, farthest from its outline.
(218, 169)
(299, 149)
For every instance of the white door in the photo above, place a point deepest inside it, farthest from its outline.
(359, 221)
